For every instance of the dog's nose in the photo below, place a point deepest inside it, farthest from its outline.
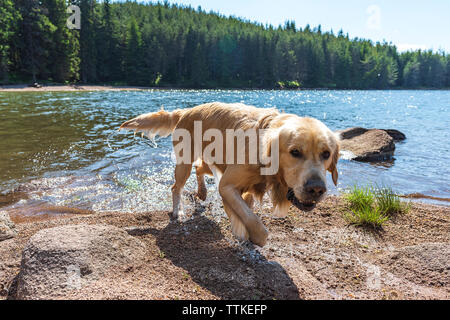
(315, 188)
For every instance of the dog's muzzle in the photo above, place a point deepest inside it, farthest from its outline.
(304, 206)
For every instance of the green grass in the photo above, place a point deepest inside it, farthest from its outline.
(367, 216)
(371, 206)
(360, 197)
(389, 202)
(289, 84)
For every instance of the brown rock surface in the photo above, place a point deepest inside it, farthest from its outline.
(356, 131)
(423, 264)
(309, 255)
(58, 260)
(367, 144)
(7, 228)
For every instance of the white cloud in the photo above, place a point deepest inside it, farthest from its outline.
(374, 20)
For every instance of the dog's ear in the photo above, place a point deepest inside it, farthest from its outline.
(333, 166)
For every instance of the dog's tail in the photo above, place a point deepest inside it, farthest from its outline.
(161, 123)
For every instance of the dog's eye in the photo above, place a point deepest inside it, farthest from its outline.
(325, 155)
(295, 153)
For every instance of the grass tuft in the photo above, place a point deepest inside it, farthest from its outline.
(360, 197)
(372, 206)
(389, 202)
(367, 216)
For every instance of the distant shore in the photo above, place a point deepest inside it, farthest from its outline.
(95, 87)
(45, 88)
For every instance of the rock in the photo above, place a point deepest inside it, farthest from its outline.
(7, 227)
(356, 131)
(351, 132)
(35, 85)
(395, 134)
(59, 260)
(369, 144)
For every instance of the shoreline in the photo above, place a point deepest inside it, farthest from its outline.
(9, 197)
(65, 88)
(95, 87)
(48, 212)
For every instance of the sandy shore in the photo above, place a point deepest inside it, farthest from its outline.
(309, 255)
(51, 88)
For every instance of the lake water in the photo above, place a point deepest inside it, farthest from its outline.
(63, 149)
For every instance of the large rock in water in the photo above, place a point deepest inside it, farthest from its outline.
(7, 227)
(65, 258)
(369, 144)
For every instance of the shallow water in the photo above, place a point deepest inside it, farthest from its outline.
(62, 149)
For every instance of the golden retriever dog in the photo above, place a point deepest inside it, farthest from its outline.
(304, 147)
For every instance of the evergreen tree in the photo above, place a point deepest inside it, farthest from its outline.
(64, 45)
(411, 74)
(88, 45)
(9, 18)
(133, 58)
(447, 82)
(35, 39)
(108, 66)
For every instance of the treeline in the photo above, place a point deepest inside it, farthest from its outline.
(160, 44)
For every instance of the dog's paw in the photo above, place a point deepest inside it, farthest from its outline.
(177, 216)
(260, 238)
(201, 194)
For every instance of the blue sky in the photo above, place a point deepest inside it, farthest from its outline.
(409, 24)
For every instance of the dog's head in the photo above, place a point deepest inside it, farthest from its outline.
(307, 149)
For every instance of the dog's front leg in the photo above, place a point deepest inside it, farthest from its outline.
(232, 198)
